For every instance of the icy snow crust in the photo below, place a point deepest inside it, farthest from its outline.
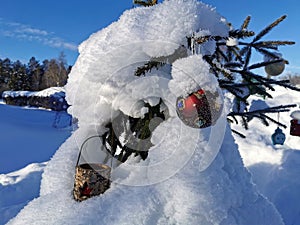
(190, 176)
(273, 167)
(52, 91)
(296, 115)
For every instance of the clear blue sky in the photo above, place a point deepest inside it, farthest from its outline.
(45, 28)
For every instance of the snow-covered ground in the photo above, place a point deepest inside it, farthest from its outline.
(29, 137)
(275, 169)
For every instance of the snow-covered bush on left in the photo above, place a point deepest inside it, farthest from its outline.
(51, 98)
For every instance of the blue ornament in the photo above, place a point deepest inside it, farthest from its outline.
(180, 104)
(278, 137)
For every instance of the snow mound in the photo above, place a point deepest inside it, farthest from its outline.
(30, 135)
(222, 194)
(274, 167)
(17, 188)
(278, 183)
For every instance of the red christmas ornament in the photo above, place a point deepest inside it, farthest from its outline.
(86, 191)
(295, 127)
(199, 110)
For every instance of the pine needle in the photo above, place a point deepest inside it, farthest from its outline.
(238, 133)
(146, 4)
(245, 123)
(268, 44)
(268, 28)
(262, 119)
(274, 121)
(147, 67)
(262, 64)
(246, 23)
(248, 56)
(267, 53)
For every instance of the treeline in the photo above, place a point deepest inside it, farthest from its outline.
(294, 78)
(33, 76)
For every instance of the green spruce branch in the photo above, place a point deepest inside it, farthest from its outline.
(145, 3)
(248, 116)
(147, 67)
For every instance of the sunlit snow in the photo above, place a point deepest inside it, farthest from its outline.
(191, 176)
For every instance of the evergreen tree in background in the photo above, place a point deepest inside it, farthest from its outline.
(51, 74)
(294, 78)
(43, 84)
(35, 72)
(33, 76)
(63, 69)
(55, 72)
(5, 72)
(231, 64)
(19, 80)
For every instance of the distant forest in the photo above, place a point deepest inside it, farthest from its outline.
(36, 76)
(294, 78)
(33, 76)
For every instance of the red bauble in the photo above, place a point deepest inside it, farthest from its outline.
(200, 109)
(86, 191)
(295, 127)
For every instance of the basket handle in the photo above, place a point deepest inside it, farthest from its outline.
(79, 155)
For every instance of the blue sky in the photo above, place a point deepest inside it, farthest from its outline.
(45, 28)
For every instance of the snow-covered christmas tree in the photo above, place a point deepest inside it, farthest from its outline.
(143, 87)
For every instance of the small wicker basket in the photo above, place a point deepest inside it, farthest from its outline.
(91, 179)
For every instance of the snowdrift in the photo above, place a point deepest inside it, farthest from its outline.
(274, 169)
(222, 194)
(30, 135)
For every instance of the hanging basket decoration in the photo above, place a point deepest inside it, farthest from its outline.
(200, 109)
(278, 138)
(295, 123)
(91, 179)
